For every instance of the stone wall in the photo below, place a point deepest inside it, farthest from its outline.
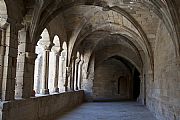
(41, 108)
(163, 94)
(105, 85)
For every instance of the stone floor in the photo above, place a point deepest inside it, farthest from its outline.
(109, 111)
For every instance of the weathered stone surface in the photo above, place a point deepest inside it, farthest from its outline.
(85, 34)
(41, 108)
(109, 111)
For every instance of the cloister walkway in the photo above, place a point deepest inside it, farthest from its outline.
(109, 111)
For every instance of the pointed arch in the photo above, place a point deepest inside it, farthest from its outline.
(43, 43)
(45, 38)
(62, 69)
(56, 42)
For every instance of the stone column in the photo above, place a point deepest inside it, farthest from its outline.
(60, 79)
(38, 73)
(45, 71)
(148, 82)
(56, 68)
(28, 88)
(20, 64)
(72, 75)
(2, 54)
(9, 65)
(68, 78)
(76, 73)
(25, 67)
(80, 73)
(141, 95)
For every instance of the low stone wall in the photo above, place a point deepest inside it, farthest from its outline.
(41, 108)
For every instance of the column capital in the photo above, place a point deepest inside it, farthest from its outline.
(81, 61)
(74, 58)
(61, 49)
(46, 48)
(31, 57)
(77, 61)
(56, 52)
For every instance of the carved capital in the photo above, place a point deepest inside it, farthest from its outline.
(77, 61)
(31, 57)
(3, 21)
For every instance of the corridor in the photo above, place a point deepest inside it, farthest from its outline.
(109, 111)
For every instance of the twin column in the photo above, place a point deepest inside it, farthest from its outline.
(45, 71)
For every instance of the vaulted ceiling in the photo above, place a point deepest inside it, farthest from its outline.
(84, 24)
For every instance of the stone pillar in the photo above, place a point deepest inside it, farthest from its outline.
(38, 73)
(20, 64)
(45, 72)
(28, 88)
(2, 54)
(56, 68)
(141, 96)
(9, 65)
(25, 67)
(60, 79)
(76, 73)
(68, 78)
(148, 82)
(80, 73)
(72, 75)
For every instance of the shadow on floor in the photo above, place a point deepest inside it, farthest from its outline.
(108, 111)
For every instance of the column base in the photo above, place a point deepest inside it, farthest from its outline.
(56, 90)
(44, 91)
(33, 93)
(66, 88)
(77, 88)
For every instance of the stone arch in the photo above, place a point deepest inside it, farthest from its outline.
(68, 5)
(45, 40)
(112, 69)
(56, 44)
(138, 30)
(54, 12)
(130, 58)
(141, 34)
(75, 74)
(42, 45)
(62, 67)
(54, 65)
(129, 34)
(166, 9)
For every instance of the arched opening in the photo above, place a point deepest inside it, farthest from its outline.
(41, 69)
(54, 65)
(80, 71)
(77, 60)
(62, 67)
(116, 79)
